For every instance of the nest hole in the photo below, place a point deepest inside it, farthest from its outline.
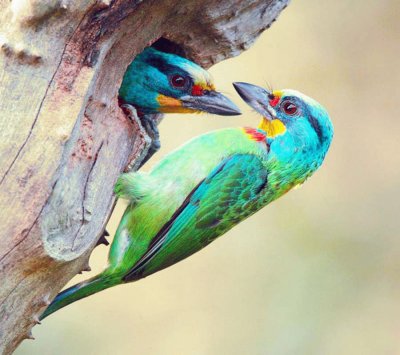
(167, 46)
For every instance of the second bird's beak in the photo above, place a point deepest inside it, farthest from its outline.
(256, 97)
(211, 102)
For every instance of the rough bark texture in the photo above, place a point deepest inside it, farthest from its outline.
(64, 140)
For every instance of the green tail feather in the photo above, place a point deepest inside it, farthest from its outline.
(81, 290)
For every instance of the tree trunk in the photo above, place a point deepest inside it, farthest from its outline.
(64, 139)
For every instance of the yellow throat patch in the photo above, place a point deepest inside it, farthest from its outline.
(272, 128)
(171, 105)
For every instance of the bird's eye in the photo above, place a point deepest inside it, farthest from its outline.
(289, 108)
(178, 81)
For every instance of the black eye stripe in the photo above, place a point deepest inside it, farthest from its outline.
(168, 70)
(161, 65)
(314, 123)
(316, 126)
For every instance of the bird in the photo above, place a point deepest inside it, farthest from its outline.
(204, 188)
(159, 82)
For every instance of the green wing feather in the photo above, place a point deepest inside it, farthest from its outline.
(228, 195)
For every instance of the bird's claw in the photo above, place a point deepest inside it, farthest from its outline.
(103, 239)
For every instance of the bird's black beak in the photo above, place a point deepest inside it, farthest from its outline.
(211, 102)
(256, 97)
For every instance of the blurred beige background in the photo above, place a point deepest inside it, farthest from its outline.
(317, 272)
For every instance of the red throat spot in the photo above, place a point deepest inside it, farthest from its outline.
(197, 90)
(255, 134)
(273, 102)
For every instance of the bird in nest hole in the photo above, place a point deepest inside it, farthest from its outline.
(157, 82)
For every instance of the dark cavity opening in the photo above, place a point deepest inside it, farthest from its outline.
(167, 46)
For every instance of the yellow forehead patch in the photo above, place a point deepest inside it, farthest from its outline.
(272, 128)
(205, 86)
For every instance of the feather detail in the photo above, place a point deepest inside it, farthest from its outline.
(135, 186)
(255, 134)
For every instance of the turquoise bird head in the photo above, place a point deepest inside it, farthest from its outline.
(295, 125)
(288, 112)
(161, 82)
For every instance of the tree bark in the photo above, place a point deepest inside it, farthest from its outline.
(64, 139)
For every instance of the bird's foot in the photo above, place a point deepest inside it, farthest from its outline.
(103, 238)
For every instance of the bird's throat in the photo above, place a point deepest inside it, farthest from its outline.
(272, 128)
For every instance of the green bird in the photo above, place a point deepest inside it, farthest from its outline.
(158, 82)
(207, 186)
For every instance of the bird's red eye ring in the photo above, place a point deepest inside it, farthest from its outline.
(289, 108)
(178, 81)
